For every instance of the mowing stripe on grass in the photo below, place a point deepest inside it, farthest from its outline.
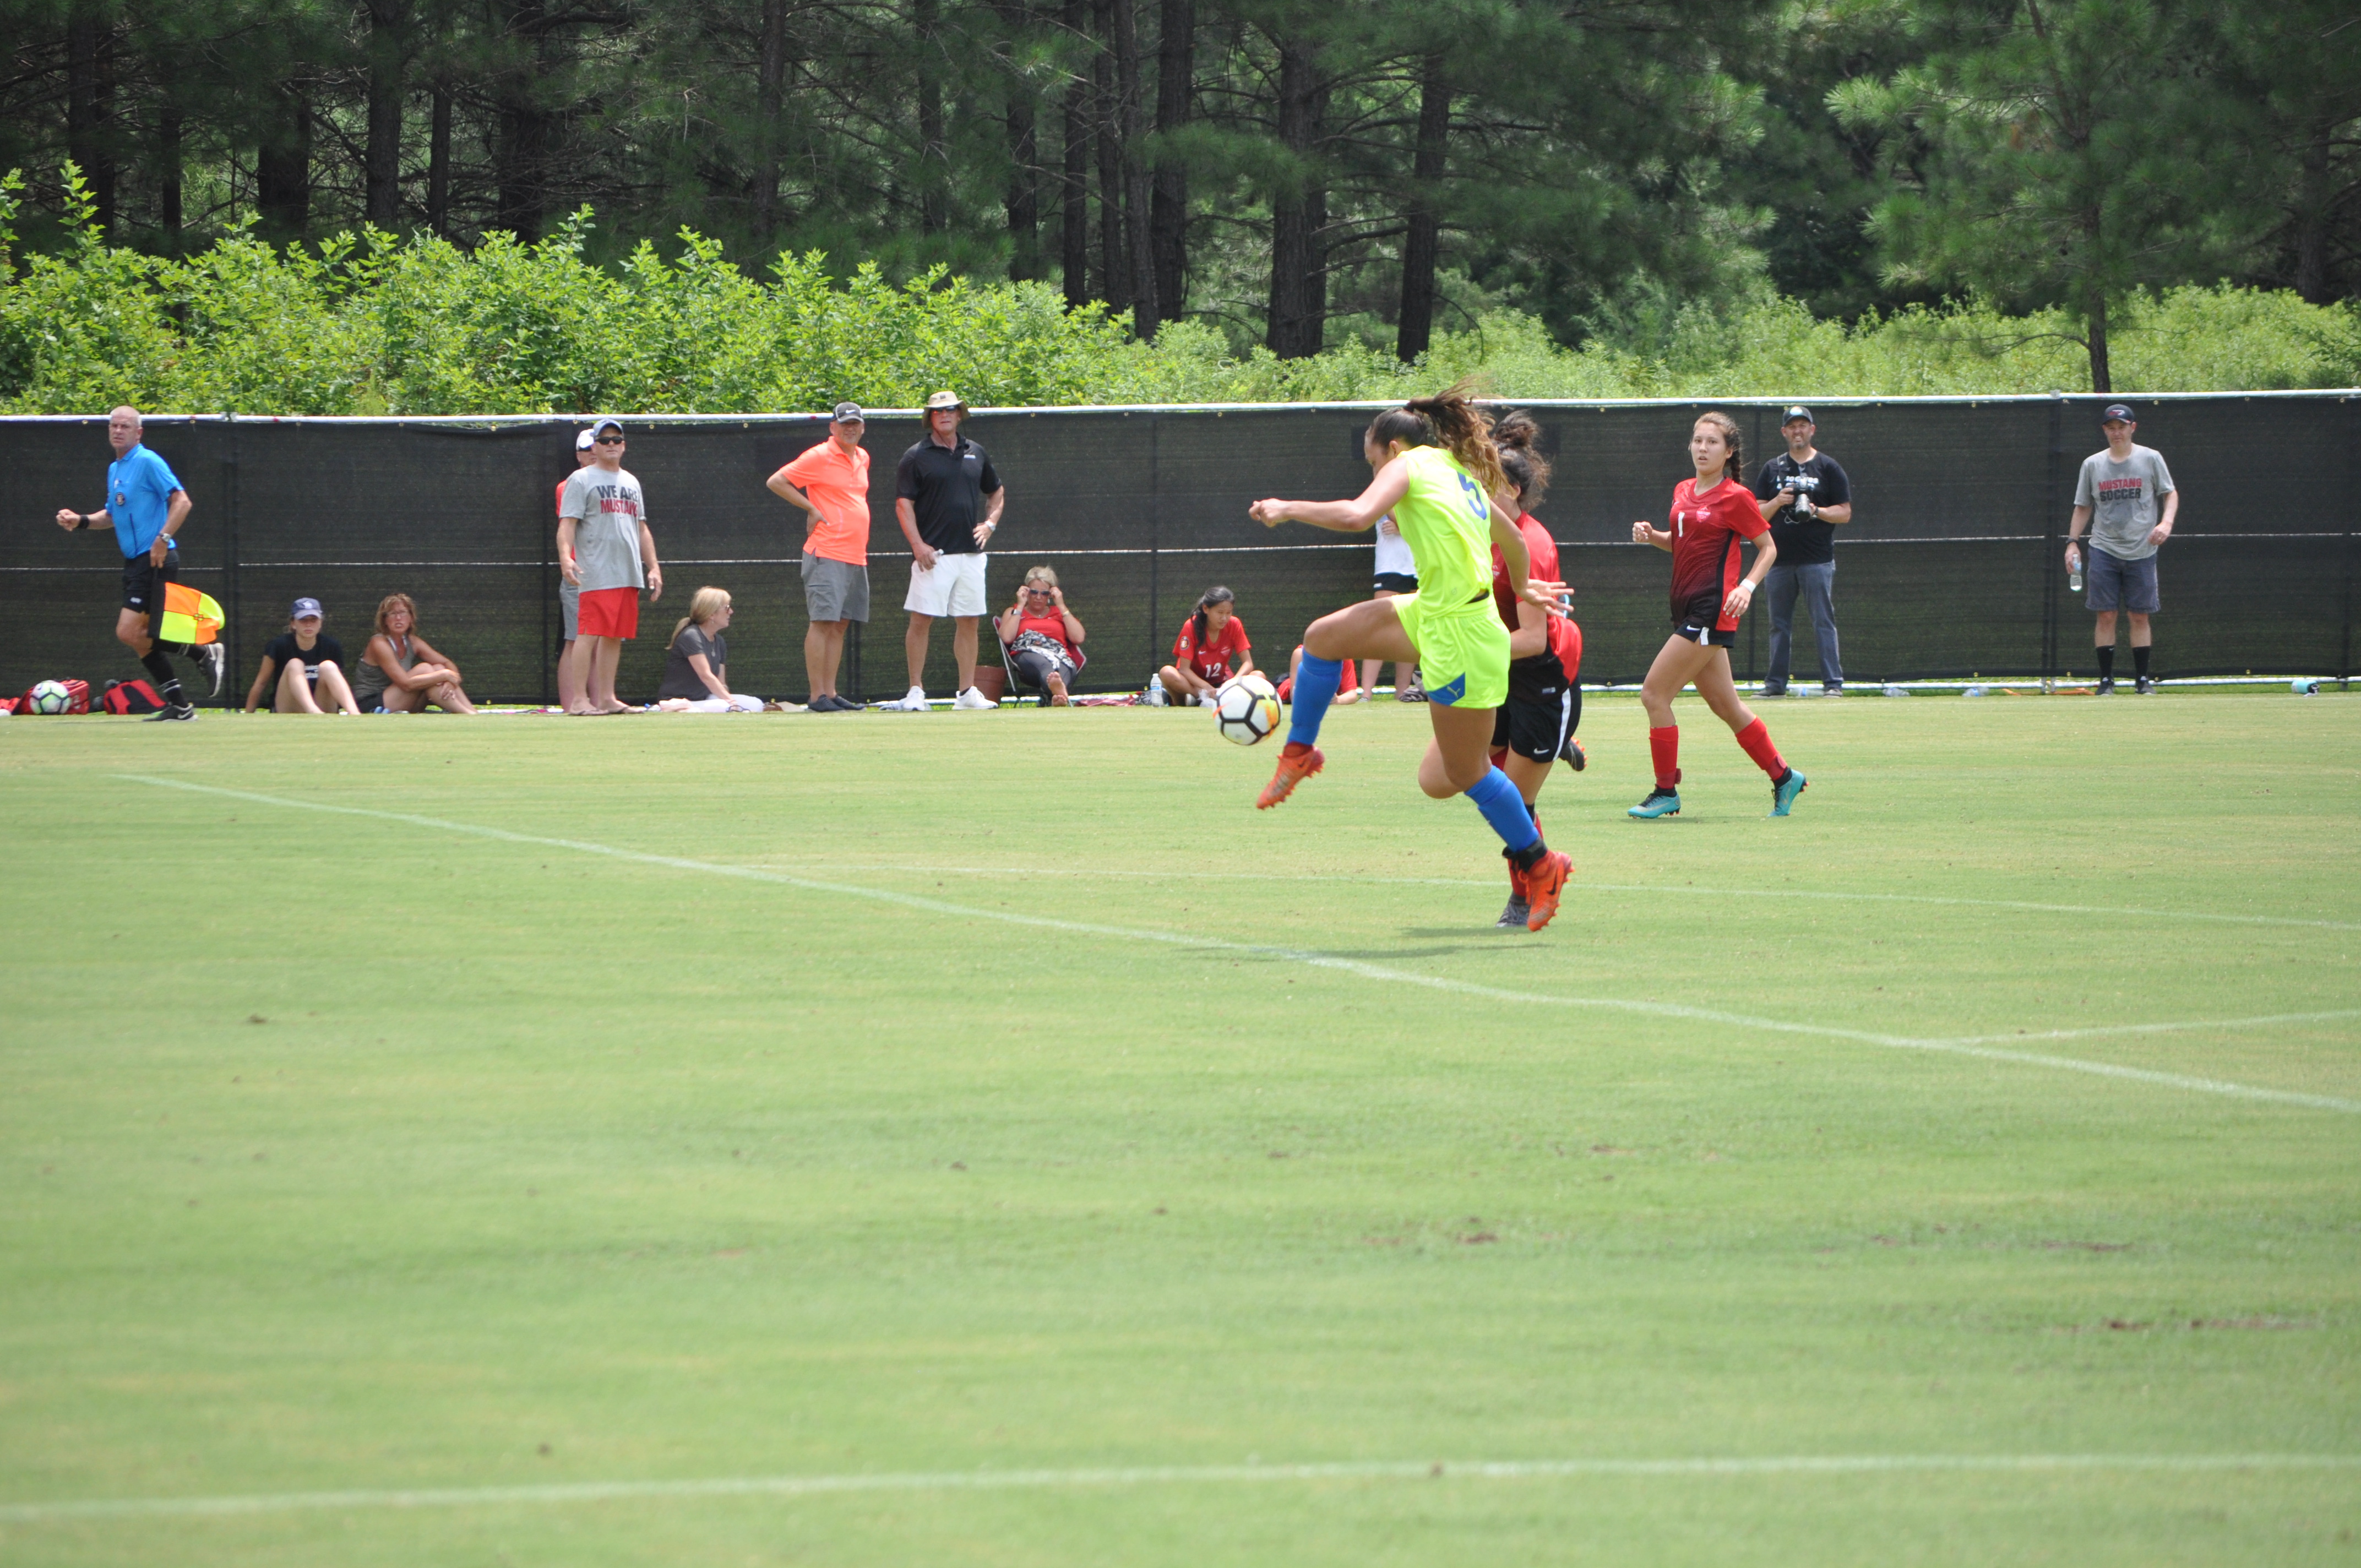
(1158, 1474)
(1969, 1048)
(1589, 886)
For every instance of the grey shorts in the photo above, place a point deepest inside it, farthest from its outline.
(2117, 584)
(569, 607)
(835, 591)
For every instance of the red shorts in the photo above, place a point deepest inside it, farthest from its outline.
(609, 612)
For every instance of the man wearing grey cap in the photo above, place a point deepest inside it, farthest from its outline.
(569, 593)
(2124, 497)
(605, 547)
(833, 477)
(1803, 494)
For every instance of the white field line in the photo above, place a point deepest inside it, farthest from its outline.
(1322, 961)
(1164, 1474)
(1589, 886)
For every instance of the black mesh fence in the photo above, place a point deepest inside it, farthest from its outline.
(1950, 567)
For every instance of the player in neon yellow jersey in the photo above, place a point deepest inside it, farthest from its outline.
(1436, 473)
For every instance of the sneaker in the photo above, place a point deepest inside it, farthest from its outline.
(209, 657)
(1415, 692)
(172, 712)
(1832, 688)
(1659, 803)
(2103, 687)
(2144, 686)
(972, 698)
(1784, 792)
(1294, 769)
(1572, 752)
(1770, 691)
(1514, 916)
(913, 701)
(1543, 885)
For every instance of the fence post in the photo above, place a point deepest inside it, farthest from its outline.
(2053, 553)
(560, 452)
(2352, 546)
(235, 569)
(1154, 530)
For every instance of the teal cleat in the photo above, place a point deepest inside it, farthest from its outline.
(1784, 792)
(1659, 803)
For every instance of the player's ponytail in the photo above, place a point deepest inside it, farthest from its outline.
(1515, 434)
(1447, 419)
(1733, 465)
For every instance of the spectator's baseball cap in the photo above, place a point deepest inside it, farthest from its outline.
(849, 412)
(601, 427)
(2114, 411)
(306, 607)
(586, 440)
(944, 399)
(1796, 411)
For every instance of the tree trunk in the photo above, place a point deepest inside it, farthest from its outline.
(282, 169)
(1168, 209)
(528, 129)
(1145, 316)
(1115, 268)
(438, 163)
(87, 107)
(1420, 249)
(1073, 190)
(1299, 212)
(387, 55)
(2314, 211)
(770, 98)
(1024, 198)
(168, 136)
(2102, 380)
(934, 148)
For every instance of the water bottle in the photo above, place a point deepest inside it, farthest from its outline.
(2074, 576)
(1155, 696)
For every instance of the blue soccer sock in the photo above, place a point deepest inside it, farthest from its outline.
(1504, 808)
(1316, 680)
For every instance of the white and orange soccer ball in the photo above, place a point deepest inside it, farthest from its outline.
(1247, 708)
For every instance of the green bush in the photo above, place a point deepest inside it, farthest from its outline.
(370, 323)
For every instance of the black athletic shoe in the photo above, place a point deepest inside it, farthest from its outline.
(210, 658)
(170, 712)
(1572, 752)
(2144, 686)
(2105, 685)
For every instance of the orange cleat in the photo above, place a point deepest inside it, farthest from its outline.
(1294, 767)
(1543, 883)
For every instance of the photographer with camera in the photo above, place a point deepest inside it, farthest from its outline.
(1803, 494)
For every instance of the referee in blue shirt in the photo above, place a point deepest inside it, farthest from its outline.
(147, 503)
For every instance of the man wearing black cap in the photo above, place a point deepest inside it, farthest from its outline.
(1810, 490)
(2124, 497)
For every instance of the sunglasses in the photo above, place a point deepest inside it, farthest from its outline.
(609, 441)
(1042, 593)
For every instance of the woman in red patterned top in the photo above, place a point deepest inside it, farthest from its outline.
(1212, 648)
(1044, 638)
(1710, 515)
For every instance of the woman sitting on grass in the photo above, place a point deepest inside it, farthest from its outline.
(399, 672)
(1044, 638)
(300, 665)
(1212, 648)
(696, 661)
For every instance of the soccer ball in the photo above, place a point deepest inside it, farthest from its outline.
(1246, 709)
(51, 697)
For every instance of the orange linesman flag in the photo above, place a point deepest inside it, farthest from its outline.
(189, 616)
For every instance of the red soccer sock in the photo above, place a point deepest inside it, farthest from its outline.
(1665, 746)
(1756, 739)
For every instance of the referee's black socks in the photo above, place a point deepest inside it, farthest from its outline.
(2107, 663)
(2139, 661)
(159, 670)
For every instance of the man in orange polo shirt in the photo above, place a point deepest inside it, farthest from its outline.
(831, 483)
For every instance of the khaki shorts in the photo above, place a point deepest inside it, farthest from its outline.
(952, 585)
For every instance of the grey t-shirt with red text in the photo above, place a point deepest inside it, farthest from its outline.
(608, 509)
(2125, 499)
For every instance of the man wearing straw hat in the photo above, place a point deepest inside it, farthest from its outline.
(948, 499)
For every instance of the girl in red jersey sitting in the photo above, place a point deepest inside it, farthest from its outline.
(1710, 515)
(1212, 648)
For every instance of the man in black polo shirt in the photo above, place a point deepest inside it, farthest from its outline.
(1803, 494)
(948, 499)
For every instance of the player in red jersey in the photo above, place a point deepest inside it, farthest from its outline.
(1535, 728)
(1711, 514)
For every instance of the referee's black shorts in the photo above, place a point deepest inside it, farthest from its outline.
(1542, 710)
(144, 583)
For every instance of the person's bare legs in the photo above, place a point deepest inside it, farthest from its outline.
(607, 658)
(1720, 689)
(1460, 755)
(823, 651)
(962, 650)
(131, 631)
(569, 678)
(1057, 689)
(2103, 629)
(2142, 637)
(1185, 685)
(294, 693)
(914, 648)
(338, 689)
(1679, 663)
(1368, 629)
(451, 700)
(584, 657)
(1527, 775)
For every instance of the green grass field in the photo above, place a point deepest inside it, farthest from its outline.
(1039, 1110)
